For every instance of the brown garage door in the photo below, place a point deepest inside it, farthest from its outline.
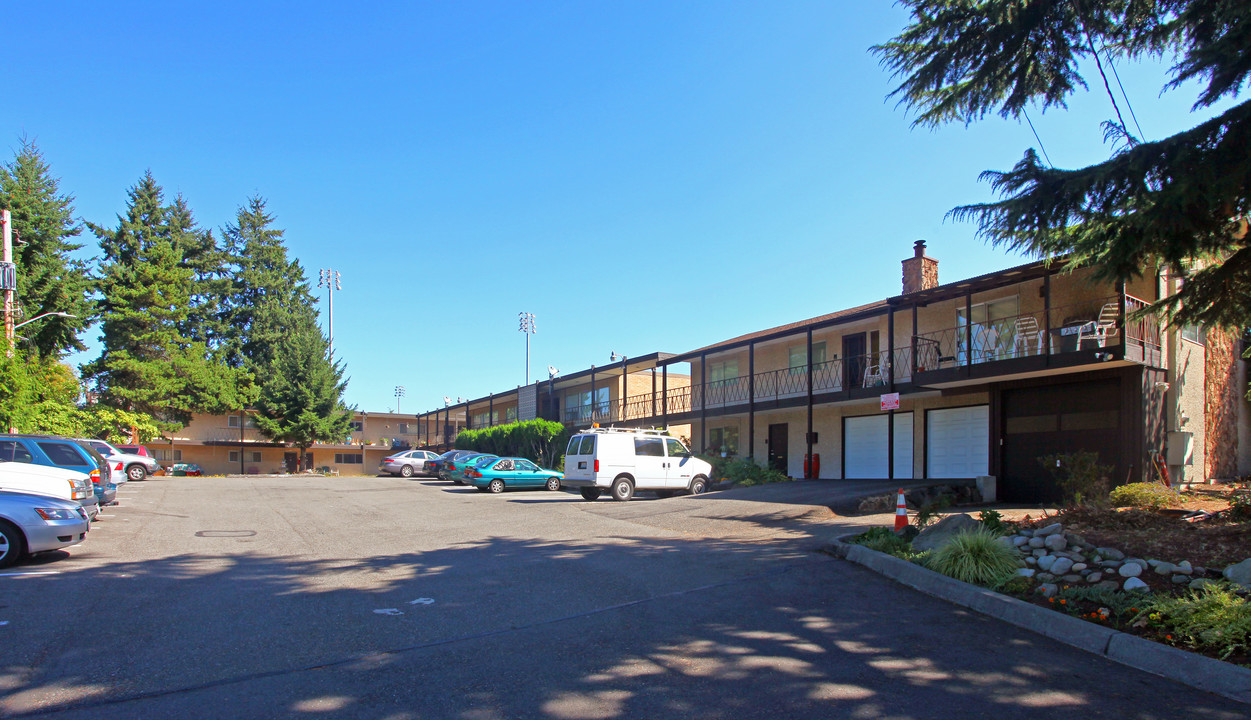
(1054, 419)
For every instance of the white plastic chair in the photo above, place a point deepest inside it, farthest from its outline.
(1025, 332)
(1101, 328)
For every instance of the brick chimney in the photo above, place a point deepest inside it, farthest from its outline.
(920, 272)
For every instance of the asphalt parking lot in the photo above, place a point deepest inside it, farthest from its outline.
(390, 598)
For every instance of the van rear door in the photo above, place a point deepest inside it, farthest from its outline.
(580, 458)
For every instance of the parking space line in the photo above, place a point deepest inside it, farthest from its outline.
(32, 572)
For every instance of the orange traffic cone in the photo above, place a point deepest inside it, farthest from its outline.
(901, 512)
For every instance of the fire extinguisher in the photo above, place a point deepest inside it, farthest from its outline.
(807, 466)
(816, 465)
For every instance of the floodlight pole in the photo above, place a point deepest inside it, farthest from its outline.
(329, 279)
(399, 393)
(526, 325)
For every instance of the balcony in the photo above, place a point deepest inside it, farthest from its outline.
(1082, 334)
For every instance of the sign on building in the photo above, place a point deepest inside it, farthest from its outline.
(890, 401)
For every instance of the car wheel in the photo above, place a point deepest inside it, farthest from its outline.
(622, 489)
(590, 493)
(699, 485)
(496, 486)
(12, 544)
(137, 473)
(406, 471)
(553, 484)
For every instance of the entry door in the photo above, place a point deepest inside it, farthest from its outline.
(778, 459)
(854, 361)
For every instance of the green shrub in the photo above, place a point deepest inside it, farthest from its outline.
(975, 556)
(1013, 584)
(1212, 619)
(743, 472)
(932, 512)
(1151, 495)
(1118, 602)
(992, 520)
(1240, 507)
(1082, 480)
(883, 540)
(538, 440)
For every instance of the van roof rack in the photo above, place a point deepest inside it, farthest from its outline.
(646, 431)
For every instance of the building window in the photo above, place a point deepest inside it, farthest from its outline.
(510, 414)
(248, 421)
(348, 459)
(1193, 333)
(408, 429)
(234, 456)
(256, 457)
(164, 455)
(724, 440)
(722, 373)
(798, 362)
(357, 425)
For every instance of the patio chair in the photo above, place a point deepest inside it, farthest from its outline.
(1102, 327)
(1025, 332)
(875, 374)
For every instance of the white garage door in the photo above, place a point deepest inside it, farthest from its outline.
(957, 442)
(865, 444)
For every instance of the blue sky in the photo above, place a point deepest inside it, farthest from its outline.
(641, 176)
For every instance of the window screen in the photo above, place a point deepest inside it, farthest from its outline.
(62, 455)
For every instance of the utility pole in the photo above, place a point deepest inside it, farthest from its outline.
(399, 393)
(329, 279)
(525, 322)
(8, 274)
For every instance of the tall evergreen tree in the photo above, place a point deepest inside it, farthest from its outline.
(1181, 201)
(210, 276)
(301, 397)
(147, 364)
(48, 279)
(268, 288)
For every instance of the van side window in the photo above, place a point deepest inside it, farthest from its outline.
(62, 455)
(588, 445)
(649, 446)
(676, 448)
(575, 442)
(14, 451)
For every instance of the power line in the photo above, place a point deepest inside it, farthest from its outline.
(1115, 74)
(1039, 139)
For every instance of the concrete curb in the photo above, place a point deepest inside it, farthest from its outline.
(1197, 671)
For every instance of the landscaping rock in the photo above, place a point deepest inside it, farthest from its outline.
(1200, 583)
(1094, 577)
(1039, 553)
(1031, 560)
(1130, 570)
(1036, 542)
(1061, 565)
(1051, 529)
(1111, 554)
(1079, 566)
(1006, 542)
(1181, 579)
(1047, 589)
(1239, 573)
(1139, 562)
(1026, 533)
(1165, 568)
(1055, 542)
(1074, 578)
(1046, 562)
(1109, 585)
(1026, 572)
(1077, 540)
(1044, 577)
(1184, 568)
(1019, 540)
(943, 531)
(1134, 583)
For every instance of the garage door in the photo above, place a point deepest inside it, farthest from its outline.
(957, 442)
(865, 447)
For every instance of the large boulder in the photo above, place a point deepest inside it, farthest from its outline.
(942, 532)
(1239, 573)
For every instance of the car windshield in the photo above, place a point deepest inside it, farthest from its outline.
(485, 460)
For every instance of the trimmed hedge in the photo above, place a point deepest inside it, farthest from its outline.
(542, 441)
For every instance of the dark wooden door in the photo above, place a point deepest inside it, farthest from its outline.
(777, 447)
(1053, 420)
(855, 350)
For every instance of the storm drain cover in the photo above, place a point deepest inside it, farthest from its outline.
(225, 533)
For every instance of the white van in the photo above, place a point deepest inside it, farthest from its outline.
(623, 460)
(44, 480)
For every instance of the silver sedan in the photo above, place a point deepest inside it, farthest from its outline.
(406, 464)
(31, 523)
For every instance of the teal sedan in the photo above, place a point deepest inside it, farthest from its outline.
(512, 472)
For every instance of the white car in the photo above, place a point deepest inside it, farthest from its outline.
(56, 482)
(125, 466)
(623, 460)
(32, 523)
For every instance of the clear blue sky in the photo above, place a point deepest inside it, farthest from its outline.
(642, 176)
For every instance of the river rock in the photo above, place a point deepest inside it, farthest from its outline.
(1079, 566)
(1038, 552)
(1073, 578)
(1047, 589)
(1046, 562)
(1036, 542)
(1130, 570)
(1019, 540)
(1055, 542)
(1181, 579)
(1111, 554)
(1198, 583)
(1044, 577)
(1165, 568)
(1134, 583)
(1061, 566)
(1051, 529)
(1026, 572)
(944, 531)
(1031, 560)
(1184, 568)
(1239, 573)
(1139, 562)
(1094, 577)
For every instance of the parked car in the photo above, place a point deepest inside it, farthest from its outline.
(448, 465)
(58, 452)
(406, 464)
(135, 450)
(622, 461)
(102, 479)
(125, 465)
(458, 467)
(501, 473)
(34, 523)
(68, 485)
(434, 467)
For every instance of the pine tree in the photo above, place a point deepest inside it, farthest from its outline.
(147, 365)
(210, 282)
(301, 396)
(1180, 202)
(48, 279)
(267, 287)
